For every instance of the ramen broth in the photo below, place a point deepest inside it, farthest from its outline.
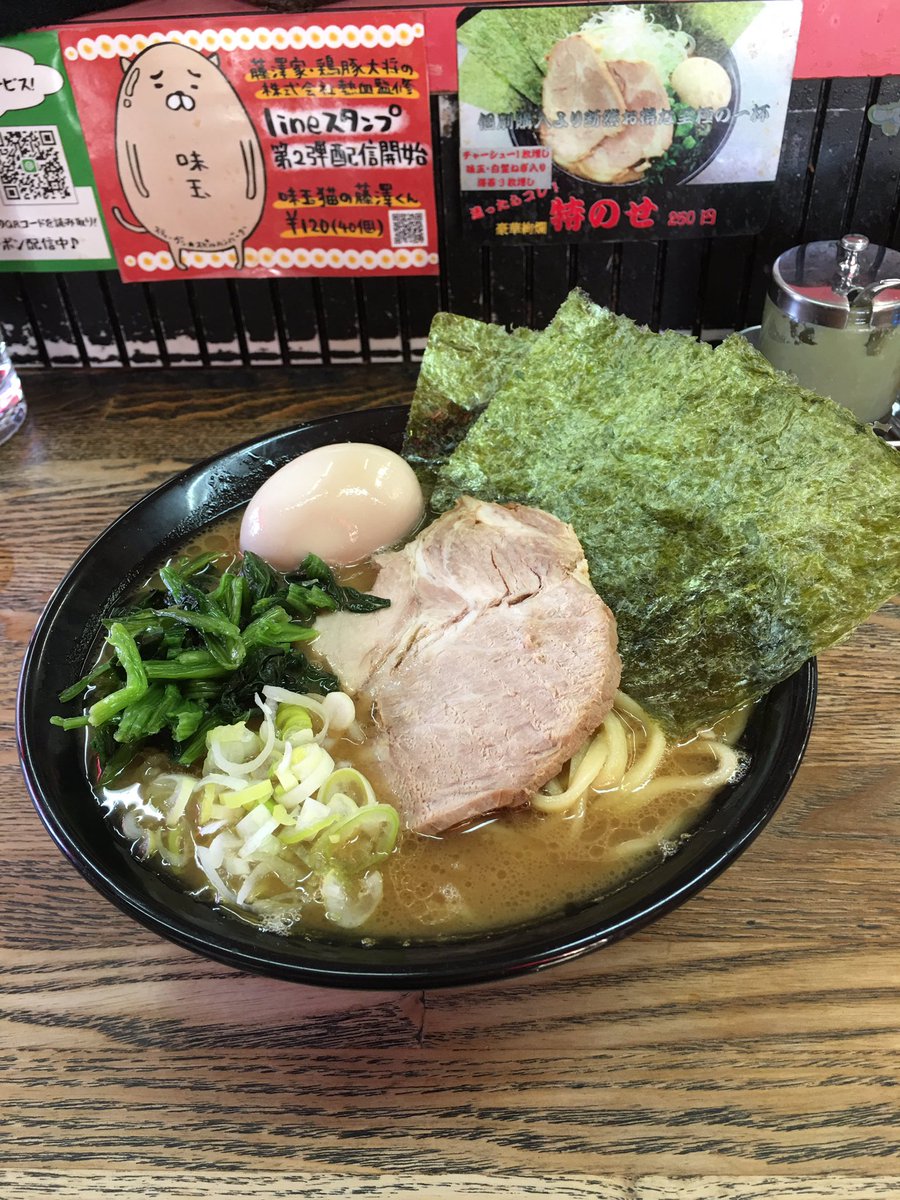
(523, 864)
(498, 871)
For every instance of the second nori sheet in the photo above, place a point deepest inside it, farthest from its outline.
(491, 35)
(735, 523)
(464, 363)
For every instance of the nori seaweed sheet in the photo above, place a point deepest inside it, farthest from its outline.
(539, 29)
(735, 523)
(718, 21)
(464, 363)
(479, 84)
(491, 35)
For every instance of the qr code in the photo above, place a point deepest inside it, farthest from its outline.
(409, 228)
(33, 167)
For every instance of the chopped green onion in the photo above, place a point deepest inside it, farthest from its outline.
(207, 803)
(310, 821)
(178, 801)
(291, 719)
(279, 812)
(348, 778)
(253, 794)
(349, 902)
(362, 840)
(286, 778)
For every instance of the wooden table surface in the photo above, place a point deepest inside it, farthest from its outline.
(744, 1046)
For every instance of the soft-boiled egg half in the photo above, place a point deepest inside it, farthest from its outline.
(341, 502)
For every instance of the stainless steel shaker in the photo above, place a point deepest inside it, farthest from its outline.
(832, 318)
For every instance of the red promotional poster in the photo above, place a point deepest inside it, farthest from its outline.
(267, 149)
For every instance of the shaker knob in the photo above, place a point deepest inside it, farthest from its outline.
(852, 245)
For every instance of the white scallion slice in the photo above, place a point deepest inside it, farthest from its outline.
(312, 818)
(253, 820)
(222, 844)
(212, 827)
(340, 711)
(349, 903)
(259, 838)
(231, 747)
(180, 800)
(205, 863)
(341, 805)
(232, 783)
(170, 793)
(312, 769)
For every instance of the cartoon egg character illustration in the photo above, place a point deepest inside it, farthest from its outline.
(189, 159)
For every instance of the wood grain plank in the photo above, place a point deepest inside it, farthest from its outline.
(272, 1185)
(355, 1108)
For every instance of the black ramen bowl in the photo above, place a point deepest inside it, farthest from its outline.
(53, 762)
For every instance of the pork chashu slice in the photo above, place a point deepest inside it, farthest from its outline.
(493, 664)
(578, 80)
(625, 158)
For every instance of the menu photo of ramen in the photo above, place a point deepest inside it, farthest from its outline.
(612, 101)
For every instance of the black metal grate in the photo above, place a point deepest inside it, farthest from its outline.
(837, 173)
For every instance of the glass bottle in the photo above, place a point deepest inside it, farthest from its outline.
(13, 408)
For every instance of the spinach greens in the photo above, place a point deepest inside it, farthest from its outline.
(197, 647)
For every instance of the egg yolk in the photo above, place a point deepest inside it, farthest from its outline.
(341, 502)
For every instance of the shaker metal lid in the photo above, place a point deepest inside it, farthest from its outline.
(849, 282)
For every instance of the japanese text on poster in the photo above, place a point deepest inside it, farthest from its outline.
(303, 150)
(620, 121)
(49, 217)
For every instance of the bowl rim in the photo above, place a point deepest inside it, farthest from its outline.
(533, 946)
